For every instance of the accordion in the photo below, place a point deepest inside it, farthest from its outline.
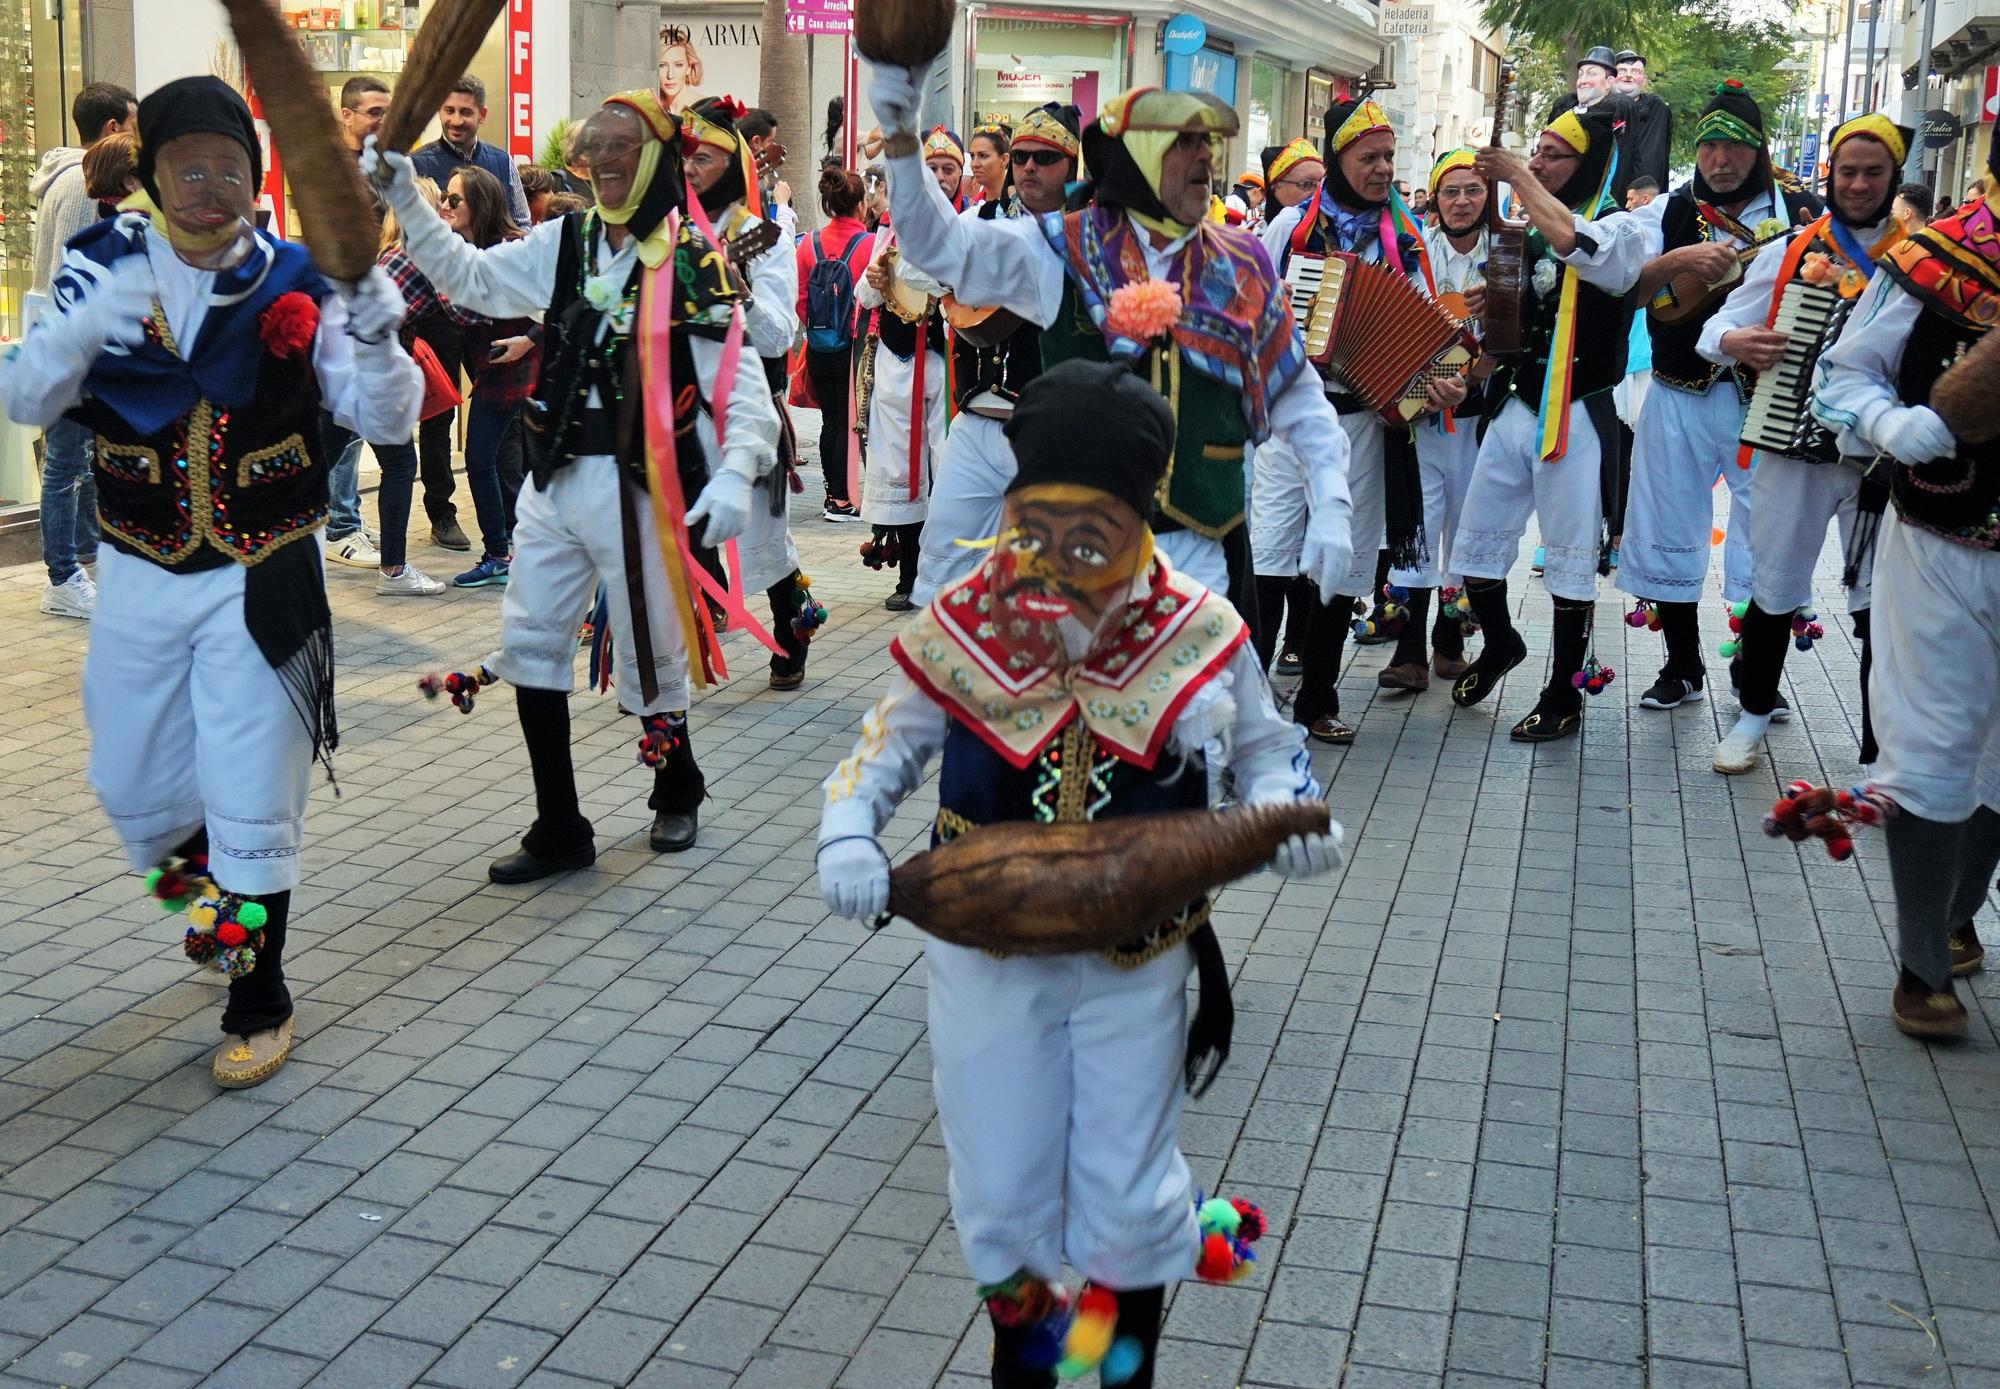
(1369, 328)
(1780, 418)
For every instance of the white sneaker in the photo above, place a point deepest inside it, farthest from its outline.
(411, 583)
(75, 596)
(354, 551)
(1736, 754)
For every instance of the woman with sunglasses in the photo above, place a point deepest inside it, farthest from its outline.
(504, 359)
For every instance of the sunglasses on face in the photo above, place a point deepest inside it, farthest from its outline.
(453, 200)
(1045, 158)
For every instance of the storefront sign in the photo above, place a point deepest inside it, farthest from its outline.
(1989, 103)
(1407, 21)
(1938, 129)
(521, 79)
(1184, 34)
(834, 17)
(1206, 71)
(1033, 87)
(714, 54)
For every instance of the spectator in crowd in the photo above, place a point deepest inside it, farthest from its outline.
(364, 101)
(459, 120)
(503, 358)
(1420, 201)
(1913, 207)
(986, 160)
(398, 578)
(537, 185)
(110, 175)
(875, 197)
(562, 204)
(843, 243)
(69, 494)
(1641, 191)
(1944, 205)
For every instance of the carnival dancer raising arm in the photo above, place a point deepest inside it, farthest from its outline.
(588, 514)
(1796, 495)
(1544, 450)
(1236, 367)
(198, 349)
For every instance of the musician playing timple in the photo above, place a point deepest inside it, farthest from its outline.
(1937, 592)
(720, 173)
(591, 510)
(1793, 499)
(1356, 210)
(1546, 445)
(1688, 427)
(977, 464)
(1456, 241)
(902, 457)
(1143, 256)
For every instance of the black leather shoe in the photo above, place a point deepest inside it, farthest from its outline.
(526, 866)
(673, 831)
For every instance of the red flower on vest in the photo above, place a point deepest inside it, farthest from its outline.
(288, 324)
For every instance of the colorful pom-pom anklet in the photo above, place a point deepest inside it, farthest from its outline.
(1594, 676)
(461, 685)
(1228, 1229)
(1645, 615)
(1389, 616)
(177, 881)
(1455, 605)
(1828, 814)
(811, 615)
(225, 931)
(661, 737)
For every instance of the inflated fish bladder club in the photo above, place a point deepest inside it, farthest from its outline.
(1967, 396)
(905, 33)
(1033, 889)
(336, 216)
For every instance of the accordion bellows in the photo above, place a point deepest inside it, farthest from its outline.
(1369, 326)
(1032, 889)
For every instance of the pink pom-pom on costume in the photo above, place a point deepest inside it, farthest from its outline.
(1143, 310)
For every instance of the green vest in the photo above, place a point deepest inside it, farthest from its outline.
(1203, 490)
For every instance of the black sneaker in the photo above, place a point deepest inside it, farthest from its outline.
(1671, 692)
(836, 510)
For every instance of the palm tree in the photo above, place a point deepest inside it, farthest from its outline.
(783, 83)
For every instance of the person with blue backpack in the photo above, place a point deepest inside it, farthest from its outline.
(830, 262)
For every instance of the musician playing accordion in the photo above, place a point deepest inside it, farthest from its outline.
(1896, 388)
(1546, 446)
(1788, 308)
(1356, 211)
(1702, 235)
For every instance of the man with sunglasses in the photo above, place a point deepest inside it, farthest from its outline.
(1221, 346)
(1355, 211)
(992, 359)
(632, 395)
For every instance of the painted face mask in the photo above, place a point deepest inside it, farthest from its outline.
(1065, 558)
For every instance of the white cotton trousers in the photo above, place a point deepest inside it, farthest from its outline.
(1681, 443)
(1445, 462)
(974, 469)
(1368, 526)
(1791, 504)
(1058, 1084)
(1510, 483)
(1935, 679)
(190, 727)
(885, 486)
(1279, 511)
(566, 538)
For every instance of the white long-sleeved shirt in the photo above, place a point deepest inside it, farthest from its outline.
(516, 279)
(1854, 385)
(373, 389)
(1008, 263)
(1652, 217)
(1750, 302)
(771, 318)
(906, 728)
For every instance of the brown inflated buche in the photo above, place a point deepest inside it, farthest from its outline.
(1026, 888)
(904, 33)
(336, 217)
(1967, 396)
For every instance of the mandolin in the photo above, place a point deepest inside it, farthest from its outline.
(1506, 253)
(1688, 295)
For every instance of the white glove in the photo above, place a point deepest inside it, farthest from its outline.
(895, 93)
(854, 877)
(1328, 552)
(723, 509)
(375, 306)
(392, 173)
(1913, 434)
(111, 312)
(1309, 855)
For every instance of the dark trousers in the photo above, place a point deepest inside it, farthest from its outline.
(434, 435)
(491, 503)
(259, 1000)
(392, 499)
(829, 373)
(786, 599)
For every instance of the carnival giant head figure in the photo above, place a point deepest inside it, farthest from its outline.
(1153, 153)
(1074, 532)
(1731, 165)
(1631, 79)
(1596, 72)
(1360, 154)
(199, 161)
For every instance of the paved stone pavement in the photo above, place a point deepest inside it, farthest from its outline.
(1572, 1077)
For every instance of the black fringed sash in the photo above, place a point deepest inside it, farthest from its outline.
(286, 612)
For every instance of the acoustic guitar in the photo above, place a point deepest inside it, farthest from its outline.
(1506, 253)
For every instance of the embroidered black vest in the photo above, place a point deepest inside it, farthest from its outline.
(1603, 334)
(216, 485)
(1072, 780)
(1957, 497)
